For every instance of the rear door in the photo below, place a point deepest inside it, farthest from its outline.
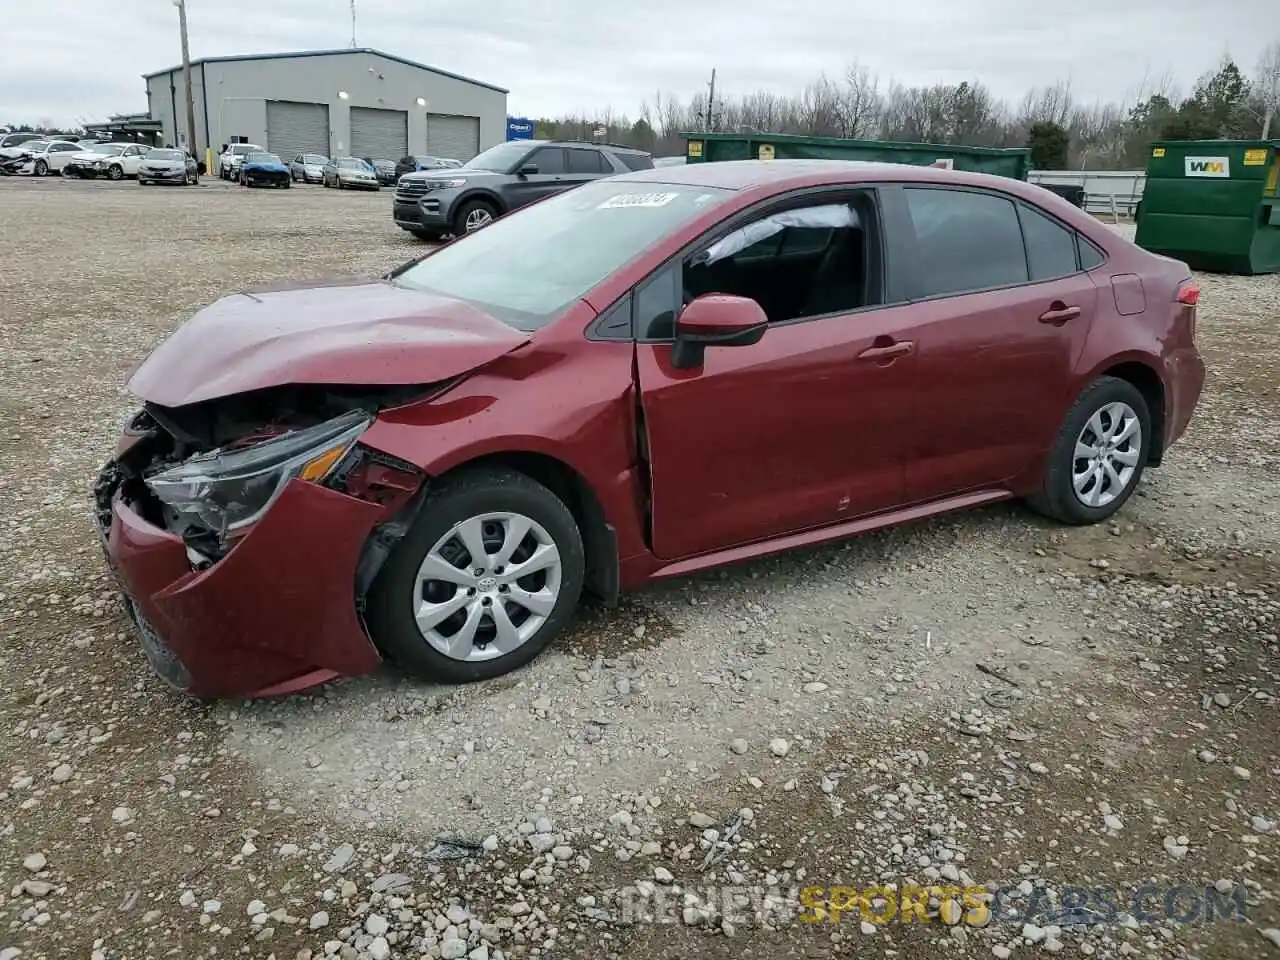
(1002, 310)
(800, 430)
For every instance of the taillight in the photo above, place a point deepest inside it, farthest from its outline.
(1189, 294)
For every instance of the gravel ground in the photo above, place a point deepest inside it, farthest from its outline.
(984, 702)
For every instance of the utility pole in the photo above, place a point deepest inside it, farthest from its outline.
(353, 24)
(186, 78)
(711, 103)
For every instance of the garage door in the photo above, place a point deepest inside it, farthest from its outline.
(294, 128)
(379, 134)
(454, 138)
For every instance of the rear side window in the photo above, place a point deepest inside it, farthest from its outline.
(548, 160)
(585, 161)
(1051, 247)
(965, 241)
(636, 161)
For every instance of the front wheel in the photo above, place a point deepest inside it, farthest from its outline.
(474, 215)
(115, 172)
(42, 168)
(1099, 455)
(489, 573)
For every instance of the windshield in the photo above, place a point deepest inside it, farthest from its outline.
(34, 145)
(351, 163)
(314, 158)
(240, 149)
(501, 158)
(526, 268)
(165, 155)
(262, 158)
(106, 149)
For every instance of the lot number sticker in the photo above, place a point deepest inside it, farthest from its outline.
(637, 200)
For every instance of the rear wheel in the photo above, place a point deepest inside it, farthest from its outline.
(489, 573)
(474, 215)
(1099, 455)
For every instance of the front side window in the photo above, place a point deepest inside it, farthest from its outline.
(527, 267)
(796, 263)
(965, 241)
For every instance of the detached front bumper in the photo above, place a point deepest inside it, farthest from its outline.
(276, 615)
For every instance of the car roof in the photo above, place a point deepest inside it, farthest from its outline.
(788, 174)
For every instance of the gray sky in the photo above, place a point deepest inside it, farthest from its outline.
(68, 62)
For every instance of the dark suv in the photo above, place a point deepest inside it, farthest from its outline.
(433, 203)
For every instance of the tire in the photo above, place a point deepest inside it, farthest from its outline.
(41, 169)
(479, 495)
(1105, 398)
(115, 172)
(141, 182)
(470, 210)
(287, 184)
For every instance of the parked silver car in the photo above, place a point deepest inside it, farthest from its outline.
(308, 168)
(168, 166)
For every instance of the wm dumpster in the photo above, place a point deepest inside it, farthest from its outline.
(1004, 162)
(1213, 204)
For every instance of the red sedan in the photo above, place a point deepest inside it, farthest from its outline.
(648, 376)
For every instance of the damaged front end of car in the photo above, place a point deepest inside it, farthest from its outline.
(246, 530)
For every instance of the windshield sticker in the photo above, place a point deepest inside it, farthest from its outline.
(638, 200)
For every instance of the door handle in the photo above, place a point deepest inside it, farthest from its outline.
(898, 349)
(1058, 314)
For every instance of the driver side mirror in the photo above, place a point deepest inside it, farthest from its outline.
(528, 169)
(716, 319)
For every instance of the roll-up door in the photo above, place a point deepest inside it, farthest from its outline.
(452, 137)
(294, 128)
(379, 134)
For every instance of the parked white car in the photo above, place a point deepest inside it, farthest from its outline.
(230, 160)
(48, 156)
(115, 161)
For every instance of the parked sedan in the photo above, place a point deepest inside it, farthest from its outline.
(648, 376)
(385, 170)
(47, 156)
(264, 170)
(308, 168)
(350, 172)
(414, 164)
(168, 166)
(115, 161)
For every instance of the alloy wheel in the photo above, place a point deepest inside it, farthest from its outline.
(1107, 454)
(487, 586)
(476, 219)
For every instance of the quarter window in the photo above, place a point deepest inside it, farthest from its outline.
(1051, 247)
(965, 241)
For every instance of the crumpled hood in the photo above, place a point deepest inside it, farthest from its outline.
(356, 333)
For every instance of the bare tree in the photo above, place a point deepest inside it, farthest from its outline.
(860, 103)
(1267, 85)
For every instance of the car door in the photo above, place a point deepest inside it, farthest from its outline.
(60, 155)
(550, 178)
(585, 165)
(131, 160)
(1000, 322)
(797, 431)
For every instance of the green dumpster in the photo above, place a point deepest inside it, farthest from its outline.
(1213, 204)
(707, 147)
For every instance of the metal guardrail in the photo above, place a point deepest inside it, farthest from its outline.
(1116, 192)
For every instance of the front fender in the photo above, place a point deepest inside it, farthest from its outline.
(571, 402)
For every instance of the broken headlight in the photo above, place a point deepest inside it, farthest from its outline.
(225, 490)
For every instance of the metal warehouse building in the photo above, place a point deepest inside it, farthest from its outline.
(356, 102)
